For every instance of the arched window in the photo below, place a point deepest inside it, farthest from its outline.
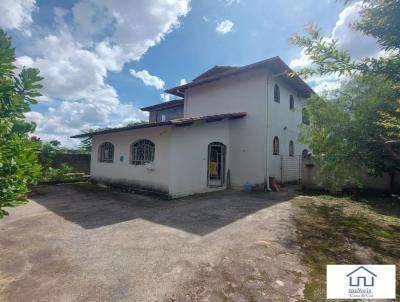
(291, 148)
(142, 151)
(291, 103)
(106, 153)
(277, 94)
(276, 146)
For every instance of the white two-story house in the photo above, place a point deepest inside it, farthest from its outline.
(230, 126)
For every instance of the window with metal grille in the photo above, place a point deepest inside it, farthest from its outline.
(276, 146)
(142, 151)
(277, 94)
(291, 103)
(291, 148)
(106, 153)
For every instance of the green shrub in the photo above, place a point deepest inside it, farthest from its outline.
(19, 168)
(59, 175)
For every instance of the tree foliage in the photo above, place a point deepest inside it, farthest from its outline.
(18, 153)
(359, 127)
(86, 143)
(380, 19)
(48, 154)
(345, 133)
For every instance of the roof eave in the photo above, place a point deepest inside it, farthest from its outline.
(306, 91)
(176, 122)
(165, 105)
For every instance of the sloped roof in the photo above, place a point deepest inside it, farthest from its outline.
(164, 105)
(179, 122)
(213, 71)
(275, 65)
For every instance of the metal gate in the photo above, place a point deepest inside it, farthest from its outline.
(291, 169)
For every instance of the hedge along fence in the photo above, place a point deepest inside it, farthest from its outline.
(80, 163)
(310, 179)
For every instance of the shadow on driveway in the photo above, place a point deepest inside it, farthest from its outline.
(92, 207)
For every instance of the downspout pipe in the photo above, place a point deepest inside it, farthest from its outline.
(267, 186)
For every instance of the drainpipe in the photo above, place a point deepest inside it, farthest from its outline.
(267, 187)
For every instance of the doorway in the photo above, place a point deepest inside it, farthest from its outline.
(216, 165)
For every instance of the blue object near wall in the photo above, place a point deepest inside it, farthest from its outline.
(247, 187)
(121, 158)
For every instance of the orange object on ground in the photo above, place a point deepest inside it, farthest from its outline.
(273, 183)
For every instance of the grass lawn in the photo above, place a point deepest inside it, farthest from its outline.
(335, 230)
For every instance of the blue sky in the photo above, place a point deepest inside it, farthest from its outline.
(260, 30)
(102, 60)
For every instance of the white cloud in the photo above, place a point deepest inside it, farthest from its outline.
(16, 14)
(165, 97)
(147, 78)
(301, 61)
(325, 84)
(127, 29)
(230, 2)
(92, 39)
(33, 116)
(224, 27)
(23, 61)
(356, 43)
(182, 82)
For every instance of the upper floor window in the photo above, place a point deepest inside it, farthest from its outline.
(275, 146)
(291, 148)
(142, 151)
(277, 94)
(305, 118)
(106, 152)
(291, 103)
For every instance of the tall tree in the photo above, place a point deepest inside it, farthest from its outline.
(18, 153)
(345, 134)
(381, 20)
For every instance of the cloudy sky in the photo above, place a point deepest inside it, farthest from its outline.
(104, 59)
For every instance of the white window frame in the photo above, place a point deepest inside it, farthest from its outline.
(106, 152)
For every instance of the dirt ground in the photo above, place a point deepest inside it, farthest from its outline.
(84, 243)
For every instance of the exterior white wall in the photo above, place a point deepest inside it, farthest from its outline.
(180, 166)
(247, 93)
(189, 156)
(126, 173)
(284, 123)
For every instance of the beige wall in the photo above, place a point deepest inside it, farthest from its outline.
(180, 166)
(126, 173)
(180, 162)
(189, 156)
(246, 93)
(381, 183)
(283, 123)
(251, 138)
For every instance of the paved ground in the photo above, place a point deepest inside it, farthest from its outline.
(80, 243)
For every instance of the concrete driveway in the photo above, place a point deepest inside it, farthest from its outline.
(84, 243)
